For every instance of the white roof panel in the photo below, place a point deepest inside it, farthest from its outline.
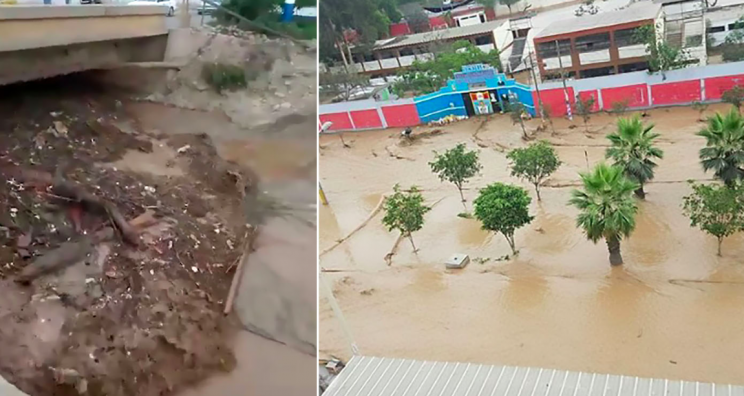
(375, 376)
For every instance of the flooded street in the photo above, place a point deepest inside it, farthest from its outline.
(672, 311)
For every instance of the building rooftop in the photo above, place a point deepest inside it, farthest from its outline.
(633, 13)
(373, 376)
(436, 35)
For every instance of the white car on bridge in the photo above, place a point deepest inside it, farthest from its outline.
(169, 5)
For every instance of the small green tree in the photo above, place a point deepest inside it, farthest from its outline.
(503, 208)
(534, 163)
(633, 150)
(606, 208)
(584, 109)
(516, 112)
(733, 45)
(700, 107)
(715, 209)
(456, 166)
(620, 107)
(734, 96)
(404, 211)
(661, 55)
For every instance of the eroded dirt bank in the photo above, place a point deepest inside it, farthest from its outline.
(196, 185)
(671, 311)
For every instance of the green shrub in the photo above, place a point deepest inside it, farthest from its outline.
(223, 76)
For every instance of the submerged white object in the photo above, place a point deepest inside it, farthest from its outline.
(458, 260)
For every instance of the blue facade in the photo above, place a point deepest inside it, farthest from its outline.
(450, 100)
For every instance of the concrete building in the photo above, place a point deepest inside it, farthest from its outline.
(596, 45)
(390, 55)
(684, 26)
(722, 21)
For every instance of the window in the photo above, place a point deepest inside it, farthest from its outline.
(406, 51)
(736, 25)
(549, 49)
(626, 37)
(694, 41)
(716, 29)
(631, 67)
(594, 42)
(598, 72)
(483, 40)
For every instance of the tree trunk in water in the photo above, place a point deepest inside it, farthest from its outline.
(524, 131)
(720, 240)
(613, 245)
(410, 238)
(537, 191)
(462, 197)
(341, 135)
(640, 193)
(510, 240)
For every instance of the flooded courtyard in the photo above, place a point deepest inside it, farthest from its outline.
(672, 311)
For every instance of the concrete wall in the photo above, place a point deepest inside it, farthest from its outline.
(45, 41)
(32, 64)
(28, 27)
(644, 90)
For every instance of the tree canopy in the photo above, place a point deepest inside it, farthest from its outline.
(503, 208)
(456, 166)
(404, 211)
(370, 19)
(534, 163)
(724, 146)
(734, 96)
(715, 209)
(606, 208)
(662, 56)
(428, 76)
(633, 150)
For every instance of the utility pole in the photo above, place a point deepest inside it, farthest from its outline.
(563, 78)
(323, 198)
(339, 315)
(537, 86)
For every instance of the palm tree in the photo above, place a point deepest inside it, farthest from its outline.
(633, 150)
(607, 207)
(724, 148)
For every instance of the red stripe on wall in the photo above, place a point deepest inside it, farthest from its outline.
(341, 121)
(636, 96)
(716, 86)
(676, 92)
(555, 100)
(585, 95)
(401, 115)
(364, 119)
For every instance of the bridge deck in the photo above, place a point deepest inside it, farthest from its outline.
(373, 376)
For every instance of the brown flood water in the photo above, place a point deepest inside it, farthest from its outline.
(672, 311)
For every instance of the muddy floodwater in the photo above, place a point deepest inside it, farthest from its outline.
(674, 310)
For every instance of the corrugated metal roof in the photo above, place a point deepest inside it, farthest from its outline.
(374, 376)
(442, 34)
(635, 12)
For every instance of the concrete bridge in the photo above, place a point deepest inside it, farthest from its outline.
(42, 41)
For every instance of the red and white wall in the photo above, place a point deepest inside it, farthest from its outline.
(368, 114)
(641, 90)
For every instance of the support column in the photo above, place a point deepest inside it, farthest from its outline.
(575, 60)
